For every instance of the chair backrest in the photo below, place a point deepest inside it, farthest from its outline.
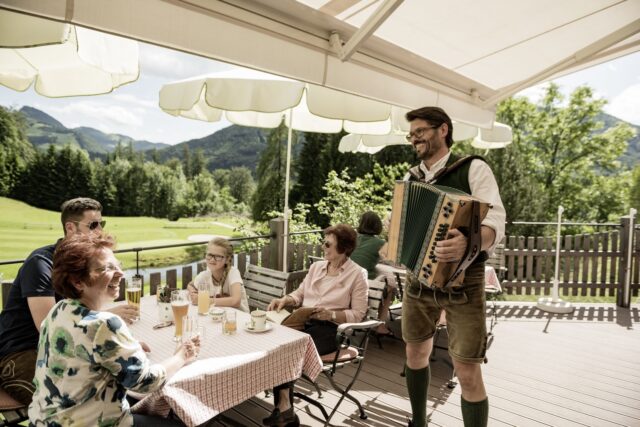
(313, 259)
(496, 260)
(263, 285)
(12, 412)
(376, 296)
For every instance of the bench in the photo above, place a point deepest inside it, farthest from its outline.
(264, 284)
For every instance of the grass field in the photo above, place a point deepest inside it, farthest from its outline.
(24, 228)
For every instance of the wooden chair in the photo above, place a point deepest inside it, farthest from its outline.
(12, 411)
(263, 285)
(352, 339)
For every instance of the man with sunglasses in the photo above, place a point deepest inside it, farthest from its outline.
(431, 137)
(31, 297)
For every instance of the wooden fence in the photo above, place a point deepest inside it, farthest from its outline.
(590, 264)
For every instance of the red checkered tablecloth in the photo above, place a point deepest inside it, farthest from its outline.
(229, 370)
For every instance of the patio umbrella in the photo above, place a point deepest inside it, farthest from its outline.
(60, 59)
(265, 101)
(499, 136)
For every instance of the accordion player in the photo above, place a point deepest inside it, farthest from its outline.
(421, 215)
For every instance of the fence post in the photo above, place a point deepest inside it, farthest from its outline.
(276, 245)
(623, 293)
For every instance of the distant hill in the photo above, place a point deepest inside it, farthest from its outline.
(229, 147)
(43, 130)
(631, 157)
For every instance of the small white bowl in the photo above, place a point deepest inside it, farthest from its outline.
(216, 314)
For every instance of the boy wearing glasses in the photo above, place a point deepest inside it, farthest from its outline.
(31, 296)
(431, 137)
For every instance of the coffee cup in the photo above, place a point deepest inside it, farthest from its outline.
(216, 314)
(258, 320)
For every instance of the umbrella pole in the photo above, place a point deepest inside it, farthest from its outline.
(555, 304)
(286, 194)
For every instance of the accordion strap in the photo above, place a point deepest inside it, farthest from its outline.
(474, 243)
(454, 166)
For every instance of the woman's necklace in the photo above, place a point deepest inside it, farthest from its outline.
(216, 282)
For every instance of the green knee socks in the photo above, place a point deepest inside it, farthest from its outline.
(418, 386)
(475, 414)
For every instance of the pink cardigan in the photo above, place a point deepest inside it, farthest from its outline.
(347, 292)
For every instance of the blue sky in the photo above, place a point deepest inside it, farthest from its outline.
(133, 109)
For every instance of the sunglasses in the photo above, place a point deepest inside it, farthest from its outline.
(93, 224)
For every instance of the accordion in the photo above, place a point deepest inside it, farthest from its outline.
(422, 214)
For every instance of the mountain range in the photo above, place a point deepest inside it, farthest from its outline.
(226, 148)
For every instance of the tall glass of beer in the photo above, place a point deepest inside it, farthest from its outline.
(180, 307)
(133, 291)
(203, 298)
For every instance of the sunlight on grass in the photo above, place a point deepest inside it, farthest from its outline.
(24, 228)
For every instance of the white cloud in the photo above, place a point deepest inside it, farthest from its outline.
(626, 105)
(134, 100)
(101, 116)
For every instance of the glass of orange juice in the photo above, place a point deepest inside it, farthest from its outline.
(203, 298)
(180, 307)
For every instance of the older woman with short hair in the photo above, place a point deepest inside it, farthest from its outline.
(87, 357)
(337, 288)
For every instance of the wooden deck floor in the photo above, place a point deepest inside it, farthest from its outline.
(584, 371)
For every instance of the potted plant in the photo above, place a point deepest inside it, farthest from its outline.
(164, 304)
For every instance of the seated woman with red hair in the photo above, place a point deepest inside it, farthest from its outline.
(87, 357)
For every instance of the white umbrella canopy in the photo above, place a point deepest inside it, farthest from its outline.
(62, 60)
(499, 136)
(252, 98)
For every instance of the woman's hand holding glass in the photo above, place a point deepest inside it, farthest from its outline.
(189, 349)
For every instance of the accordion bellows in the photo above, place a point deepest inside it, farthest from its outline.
(422, 214)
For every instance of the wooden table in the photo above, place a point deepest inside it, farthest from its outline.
(229, 370)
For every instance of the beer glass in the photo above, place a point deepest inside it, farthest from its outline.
(133, 292)
(229, 324)
(180, 307)
(203, 298)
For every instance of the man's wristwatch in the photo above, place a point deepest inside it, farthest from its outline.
(333, 316)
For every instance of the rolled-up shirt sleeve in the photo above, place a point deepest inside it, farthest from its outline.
(484, 186)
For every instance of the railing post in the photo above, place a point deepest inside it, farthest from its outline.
(276, 245)
(623, 293)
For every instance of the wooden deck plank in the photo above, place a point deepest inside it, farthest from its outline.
(584, 372)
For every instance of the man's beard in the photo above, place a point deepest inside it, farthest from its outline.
(424, 154)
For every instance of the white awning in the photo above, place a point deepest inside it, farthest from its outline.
(462, 55)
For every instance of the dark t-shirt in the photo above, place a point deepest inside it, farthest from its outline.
(17, 330)
(366, 254)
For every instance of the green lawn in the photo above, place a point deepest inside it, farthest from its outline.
(24, 228)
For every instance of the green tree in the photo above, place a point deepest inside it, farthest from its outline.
(634, 193)
(199, 162)
(187, 166)
(560, 155)
(241, 185)
(269, 194)
(348, 198)
(15, 150)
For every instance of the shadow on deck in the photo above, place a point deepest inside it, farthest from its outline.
(585, 371)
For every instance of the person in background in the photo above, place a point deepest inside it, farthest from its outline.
(87, 357)
(337, 288)
(221, 277)
(31, 296)
(370, 252)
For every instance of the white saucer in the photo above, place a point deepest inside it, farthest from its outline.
(248, 328)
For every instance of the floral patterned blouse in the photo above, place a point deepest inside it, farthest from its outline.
(86, 361)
